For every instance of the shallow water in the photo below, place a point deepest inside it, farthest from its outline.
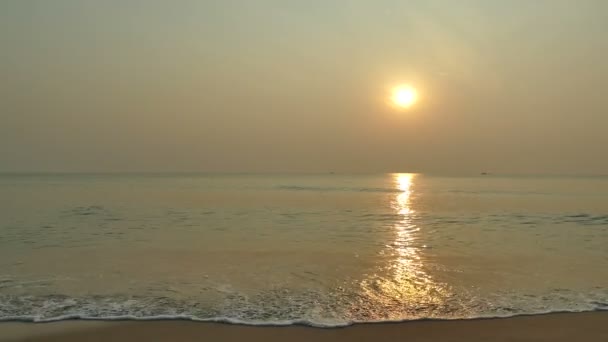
(321, 249)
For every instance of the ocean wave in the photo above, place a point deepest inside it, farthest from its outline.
(54, 308)
(336, 189)
(229, 320)
(516, 219)
(280, 323)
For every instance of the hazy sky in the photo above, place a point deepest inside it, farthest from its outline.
(505, 86)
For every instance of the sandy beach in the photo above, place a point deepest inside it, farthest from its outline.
(591, 326)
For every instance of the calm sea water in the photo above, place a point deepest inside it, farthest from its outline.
(318, 249)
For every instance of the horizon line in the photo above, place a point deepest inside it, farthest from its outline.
(429, 173)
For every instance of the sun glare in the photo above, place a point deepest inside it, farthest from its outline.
(403, 96)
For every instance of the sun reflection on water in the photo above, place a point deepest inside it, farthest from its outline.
(403, 287)
(407, 266)
(405, 227)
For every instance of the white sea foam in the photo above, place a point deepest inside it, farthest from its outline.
(302, 322)
(35, 309)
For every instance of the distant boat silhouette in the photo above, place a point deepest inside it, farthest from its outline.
(484, 173)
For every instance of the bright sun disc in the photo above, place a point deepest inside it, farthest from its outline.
(404, 96)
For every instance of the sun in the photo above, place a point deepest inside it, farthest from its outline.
(403, 96)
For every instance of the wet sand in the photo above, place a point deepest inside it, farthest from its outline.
(592, 326)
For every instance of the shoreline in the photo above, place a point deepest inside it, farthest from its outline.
(541, 327)
(278, 324)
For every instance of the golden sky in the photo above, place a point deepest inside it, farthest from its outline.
(237, 86)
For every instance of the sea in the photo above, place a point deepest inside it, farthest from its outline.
(315, 249)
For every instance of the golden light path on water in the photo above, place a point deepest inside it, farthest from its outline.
(403, 288)
(408, 256)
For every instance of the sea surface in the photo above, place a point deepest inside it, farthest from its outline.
(317, 249)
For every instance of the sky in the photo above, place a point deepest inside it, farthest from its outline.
(302, 86)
